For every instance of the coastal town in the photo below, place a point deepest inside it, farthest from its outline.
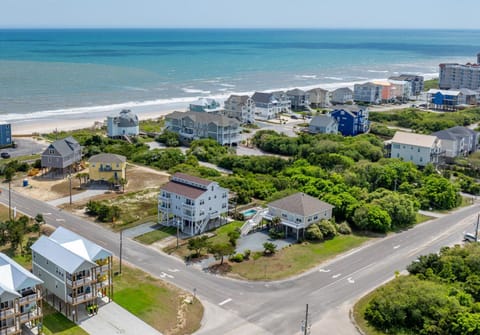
(257, 188)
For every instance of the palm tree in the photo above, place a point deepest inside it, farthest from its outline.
(39, 220)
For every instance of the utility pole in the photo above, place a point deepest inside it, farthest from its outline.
(476, 228)
(9, 199)
(121, 242)
(305, 326)
(178, 229)
(70, 184)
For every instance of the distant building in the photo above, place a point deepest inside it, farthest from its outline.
(469, 97)
(107, 167)
(323, 124)
(205, 105)
(400, 90)
(368, 93)
(269, 105)
(75, 270)
(351, 121)
(341, 95)
(192, 203)
(62, 155)
(416, 148)
(447, 100)
(5, 134)
(456, 76)
(20, 298)
(416, 83)
(299, 99)
(319, 97)
(240, 107)
(458, 141)
(193, 125)
(297, 212)
(125, 124)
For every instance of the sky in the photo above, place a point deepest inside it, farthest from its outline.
(436, 14)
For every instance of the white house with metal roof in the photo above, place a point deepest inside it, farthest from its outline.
(75, 270)
(191, 203)
(323, 124)
(20, 297)
(124, 124)
(417, 148)
(298, 211)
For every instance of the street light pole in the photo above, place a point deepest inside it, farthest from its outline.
(70, 183)
(121, 245)
(178, 229)
(9, 199)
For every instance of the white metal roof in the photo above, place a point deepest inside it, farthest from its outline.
(444, 92)
(14, 277)
(418, 140)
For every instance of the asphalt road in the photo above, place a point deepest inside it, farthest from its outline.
(237, 307)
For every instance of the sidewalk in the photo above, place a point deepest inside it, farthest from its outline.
(75, 197)
(113, 319)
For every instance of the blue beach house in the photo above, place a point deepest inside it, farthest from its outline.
(5, 134)
(351, 122)
(444, 99)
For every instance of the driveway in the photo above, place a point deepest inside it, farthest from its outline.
(25, 147)
(80, 196)
(254, 242)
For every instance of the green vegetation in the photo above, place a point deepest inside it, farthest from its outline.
(440, 296)
(431, 83)
(156, 235)
(156, 302)
(55, 323)
(152, 125)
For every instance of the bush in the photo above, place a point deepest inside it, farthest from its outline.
(238, 258)
(313, 233)
(328, 229)
(274, 234)
(344, 229)
(246, 254)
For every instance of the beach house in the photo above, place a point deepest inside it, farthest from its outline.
(76, 272)
(20, 298)
(5, 134)
(351, 120)
(124, 125)
(240, 107)
(297, 212)
(457, 141)
(107, 168)
(192, 204)
(269, 105)
(319, 97)
(368, 93)
(416, 83)
(193, 125)
(62, 156)
(323, 124)
(400, 90)
(341, 96)
(299, 99)
(416, 148)
(205, 105)
(447, 100)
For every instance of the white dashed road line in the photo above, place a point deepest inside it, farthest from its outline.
(226, 301)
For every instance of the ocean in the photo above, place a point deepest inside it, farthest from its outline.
(77, 73)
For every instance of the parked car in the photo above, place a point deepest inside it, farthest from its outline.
(5, 155)
(469, 237)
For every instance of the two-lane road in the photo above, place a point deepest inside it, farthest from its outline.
(238, 307)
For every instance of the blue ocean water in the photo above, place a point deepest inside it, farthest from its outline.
(68, 72)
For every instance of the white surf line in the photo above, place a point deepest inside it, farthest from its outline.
(226, 301)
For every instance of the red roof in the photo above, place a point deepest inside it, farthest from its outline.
(193, 179)
(182, 189)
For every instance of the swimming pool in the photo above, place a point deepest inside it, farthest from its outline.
(249, 213)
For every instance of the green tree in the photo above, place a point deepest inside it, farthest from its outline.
(221, 250)
(269, 248)
(39, 220)
(437, 192)
(197, 244)
(313, 233)
(372, 217)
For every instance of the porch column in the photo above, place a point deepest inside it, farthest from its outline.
(297, 233)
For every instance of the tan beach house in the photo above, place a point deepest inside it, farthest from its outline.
(107, 167)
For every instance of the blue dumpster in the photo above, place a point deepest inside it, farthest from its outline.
(25, 182)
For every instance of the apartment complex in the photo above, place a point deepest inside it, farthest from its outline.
(416, 83)
(454, 75)
(193, 125)
(191, 203)
(20, 298)
(76, 272)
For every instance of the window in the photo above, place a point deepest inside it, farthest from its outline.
(284, 215)
(202, 202)
(224, 205)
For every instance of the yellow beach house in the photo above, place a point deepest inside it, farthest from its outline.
(107, 167)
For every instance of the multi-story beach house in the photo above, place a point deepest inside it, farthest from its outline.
(240, 107)
(192, 204)
(76, 272)
(107, 167)
(297, 212)
(351, 120)
(5, 134)
(323, 124)
(62, 156)
(319, 97)
(123, 125)
(455, 76)
(269, 105)
(400, 90)
(457, 141)
(416, 83)
(368, 93)
(416, 148)
(20, 299)
(193, 125)
(205, 105)
(341, 96)
(299, 99)
(447, 100)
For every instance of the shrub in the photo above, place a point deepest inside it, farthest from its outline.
(269, 248)
(275, 234)
(327, 228)
(246, 254)
(344, 229)
(238, 258)
(313, 233)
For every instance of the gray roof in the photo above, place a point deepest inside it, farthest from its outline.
(343, 89)
(301, 204)
(406, 77)
(462, 130)
(193, 179)
(127, 119)
(296, 92)
(70, 251)
(14, 277)
(322, 120)
(262, 97)
(240, 99)
(107, 158)
(205, 118)
(318, 90)
(467, 91)
(65, 146)
(445, 135)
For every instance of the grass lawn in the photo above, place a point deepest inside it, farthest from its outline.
(158, 303)
(422, 218)
(294, 259)
(359, 311)
(3, 213)
(55, 323)
(156, 235)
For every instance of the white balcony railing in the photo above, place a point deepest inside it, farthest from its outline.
(80, 298)
(79, 282)
(7, 313)
(28, 299)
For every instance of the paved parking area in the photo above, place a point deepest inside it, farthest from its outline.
(254, 242)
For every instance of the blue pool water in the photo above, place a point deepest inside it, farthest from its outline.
(249, 213)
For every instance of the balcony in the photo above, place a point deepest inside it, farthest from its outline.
(79, 282)
(7, 313)
(29, 299)
(80, 298)
(188, 206)
(10, 330)
(29, 316)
